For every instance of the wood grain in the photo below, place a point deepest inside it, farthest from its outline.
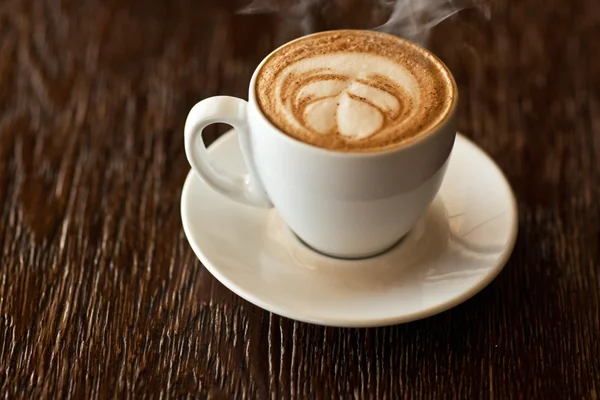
(101, 296)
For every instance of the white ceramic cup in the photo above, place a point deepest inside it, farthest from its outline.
(343, 204)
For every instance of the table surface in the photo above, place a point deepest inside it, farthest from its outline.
(101, 295)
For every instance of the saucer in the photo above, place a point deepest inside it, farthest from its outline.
(457, 248)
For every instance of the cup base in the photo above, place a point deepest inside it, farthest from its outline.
(360, 256)
(433, 269)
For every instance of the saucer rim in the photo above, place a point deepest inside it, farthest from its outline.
(362, 322)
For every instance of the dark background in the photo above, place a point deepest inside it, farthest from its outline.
(101, 296)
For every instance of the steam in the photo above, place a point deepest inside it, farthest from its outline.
(296, 16)
(414, 19)
(410, 19)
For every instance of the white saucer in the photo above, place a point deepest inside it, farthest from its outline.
(457, 248)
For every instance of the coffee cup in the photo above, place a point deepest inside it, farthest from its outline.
(344, 194)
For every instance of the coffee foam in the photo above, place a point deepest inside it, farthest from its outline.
(354, 90)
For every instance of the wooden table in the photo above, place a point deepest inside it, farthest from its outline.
(101, 295)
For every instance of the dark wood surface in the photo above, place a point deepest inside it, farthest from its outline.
(101, 296)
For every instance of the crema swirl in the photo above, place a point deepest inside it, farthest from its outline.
(354, 90)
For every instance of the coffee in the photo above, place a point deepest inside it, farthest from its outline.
(354, 91)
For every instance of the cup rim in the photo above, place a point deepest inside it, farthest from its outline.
(419, 140)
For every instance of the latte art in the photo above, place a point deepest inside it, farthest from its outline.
(326, 95)
(353, 90)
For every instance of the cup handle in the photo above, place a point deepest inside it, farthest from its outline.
(247, 188)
